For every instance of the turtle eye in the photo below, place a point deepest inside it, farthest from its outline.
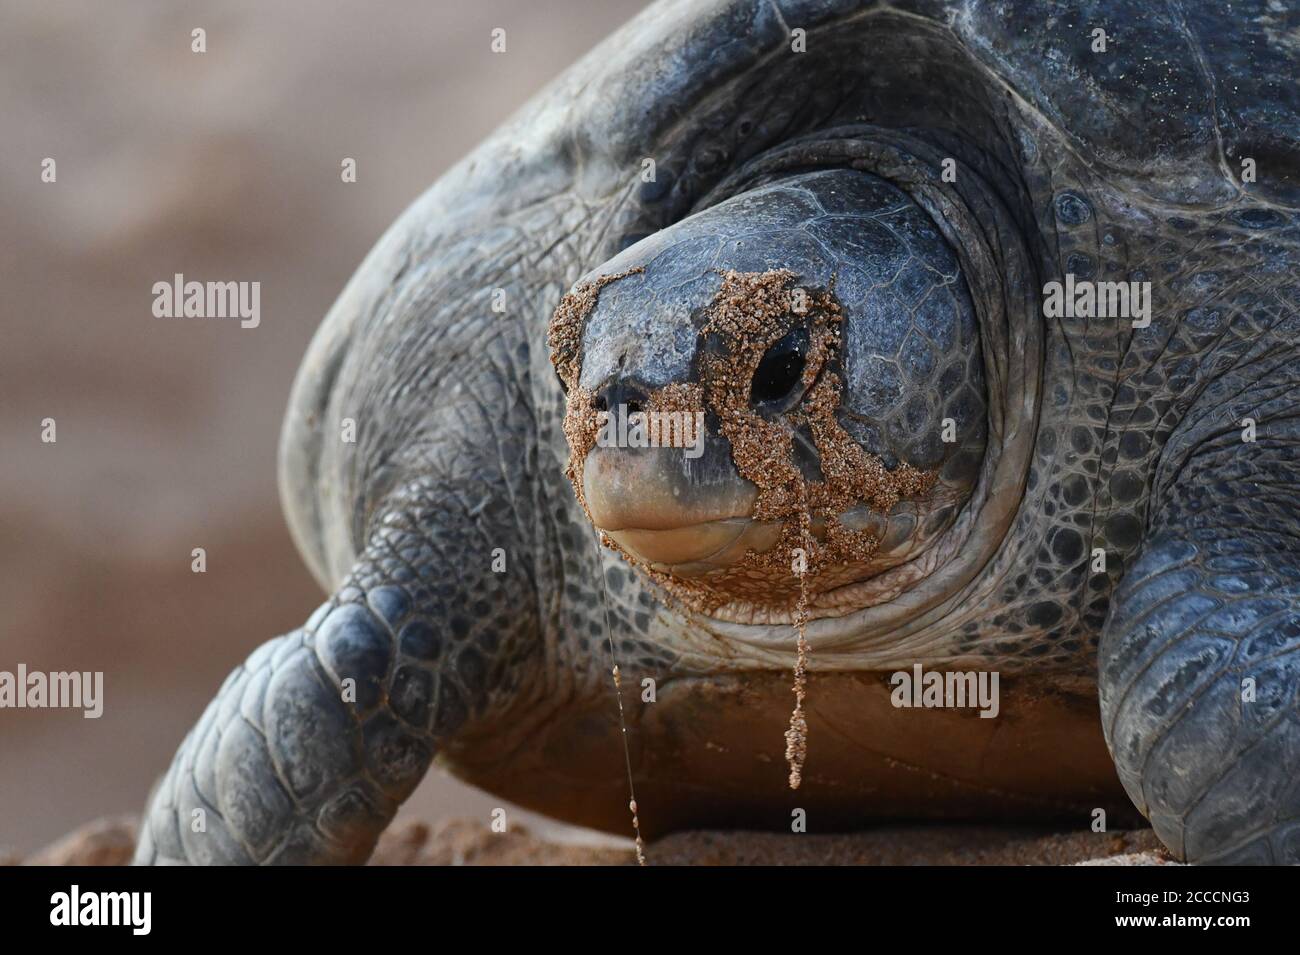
(781, 369)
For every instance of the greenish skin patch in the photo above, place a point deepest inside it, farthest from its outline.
(1082, 434)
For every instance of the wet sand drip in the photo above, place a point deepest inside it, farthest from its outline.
(796, 737)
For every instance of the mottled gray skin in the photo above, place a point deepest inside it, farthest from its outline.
(1117, 165)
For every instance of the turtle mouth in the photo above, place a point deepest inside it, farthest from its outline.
(692, 550)
(646, 504)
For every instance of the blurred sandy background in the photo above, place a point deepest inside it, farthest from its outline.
(222, 166)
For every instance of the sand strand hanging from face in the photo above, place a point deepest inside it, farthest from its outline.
(796, 737)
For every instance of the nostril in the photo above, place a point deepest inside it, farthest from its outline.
(621, 392)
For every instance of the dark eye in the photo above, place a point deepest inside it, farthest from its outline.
(781, 368)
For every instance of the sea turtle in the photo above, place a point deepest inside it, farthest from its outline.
(897, 257)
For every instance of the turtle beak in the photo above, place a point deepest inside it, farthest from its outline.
(678, 517)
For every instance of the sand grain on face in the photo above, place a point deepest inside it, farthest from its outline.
(750, 313)
(569, 321)
(678, 397)
(564, 338)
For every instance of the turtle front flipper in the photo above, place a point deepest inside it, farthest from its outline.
(1200, 656)
(313, 743)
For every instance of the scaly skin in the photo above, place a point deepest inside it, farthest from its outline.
(1122, 165)
(293, 764)
(1201, 655)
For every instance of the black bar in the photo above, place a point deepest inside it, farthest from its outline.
(476, 905)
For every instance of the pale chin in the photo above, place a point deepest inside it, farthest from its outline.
(698, 549)
(685, 532)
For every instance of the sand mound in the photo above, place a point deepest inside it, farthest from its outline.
(471, 842)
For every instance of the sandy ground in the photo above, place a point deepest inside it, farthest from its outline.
(220, 166)
(471, 842)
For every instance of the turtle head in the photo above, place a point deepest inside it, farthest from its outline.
(786, 384)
